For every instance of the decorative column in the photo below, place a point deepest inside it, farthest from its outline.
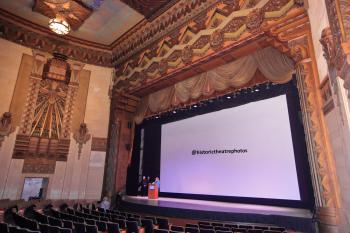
(336, 40)
(121, 136)
(320, 155)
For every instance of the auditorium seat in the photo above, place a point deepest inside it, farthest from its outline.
(54, 229)
(113, 227)
(208, 227)
(67, 224)
(132, 219)
(237, 230)
(261, 227)
(44, 228)
(65, 230)
(121, 223)
(220, 231)
(79, 227)
(177, 228)
(217, 228)
(203, 223)
(132, 227)
(3, 227)
(147, 224)
(245, 226)
(255, 231)
(191, 225)
(101, 226)
(191, 230)
(270, 231)
(90, 221)
(54, 222)
(154, 219)
(230, 225)
(163, 223)
(160, 231)
(280, 229)
(201, 230)
(217, 224)
(91, 229)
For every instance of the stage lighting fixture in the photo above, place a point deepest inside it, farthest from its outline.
(195, 106)
(174, 111)
(228, 97)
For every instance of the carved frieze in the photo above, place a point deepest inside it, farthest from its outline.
(254, 19)
(221, 29)
(217, 39)
(6, 127)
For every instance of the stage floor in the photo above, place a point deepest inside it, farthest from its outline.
(223, 207)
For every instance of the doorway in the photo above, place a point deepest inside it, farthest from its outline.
(34, 188)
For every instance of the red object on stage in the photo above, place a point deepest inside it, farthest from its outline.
(152, 191)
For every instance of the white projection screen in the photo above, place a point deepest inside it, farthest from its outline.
(245, 151)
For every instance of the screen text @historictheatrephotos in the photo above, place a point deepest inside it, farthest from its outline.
(219, 152)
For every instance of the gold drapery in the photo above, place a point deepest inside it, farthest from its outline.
(275, 66)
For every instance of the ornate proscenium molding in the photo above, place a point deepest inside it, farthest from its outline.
(6, 127)
(81, 137)
(220, 30)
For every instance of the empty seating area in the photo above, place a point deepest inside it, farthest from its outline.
(84, 220)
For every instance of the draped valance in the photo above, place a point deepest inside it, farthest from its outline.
(274, 65)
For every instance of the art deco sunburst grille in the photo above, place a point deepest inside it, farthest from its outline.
(49, 110)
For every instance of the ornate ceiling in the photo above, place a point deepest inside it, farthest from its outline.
(108, 20)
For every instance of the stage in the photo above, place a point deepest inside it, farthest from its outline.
(292, 218)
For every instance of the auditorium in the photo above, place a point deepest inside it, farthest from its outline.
(174, 116)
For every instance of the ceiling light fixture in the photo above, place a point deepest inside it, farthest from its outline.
(59, 26)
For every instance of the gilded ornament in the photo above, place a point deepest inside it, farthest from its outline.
(5, 126)
(81, 137)
(187, 54)
(163, 67)
(255, 18)
(217, 39)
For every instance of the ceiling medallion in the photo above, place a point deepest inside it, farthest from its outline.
(59, 26)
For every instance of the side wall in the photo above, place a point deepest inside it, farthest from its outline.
(337, 117)
(75, 178)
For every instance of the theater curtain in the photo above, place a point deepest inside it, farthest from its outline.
(274, 65)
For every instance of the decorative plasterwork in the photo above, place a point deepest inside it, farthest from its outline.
(27, 35)
(6, 127)
(74, 12)
(336, 40)
(81, 137)
(222, 30)
(146, 33)
(44, 133)
(98, 144)
(148, 7)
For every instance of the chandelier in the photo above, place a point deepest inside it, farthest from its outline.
(59, 26)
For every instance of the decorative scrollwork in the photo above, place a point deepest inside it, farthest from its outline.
(254, 19)
(6, 127)
(81, 137)
(217, 39)
(187, 54)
